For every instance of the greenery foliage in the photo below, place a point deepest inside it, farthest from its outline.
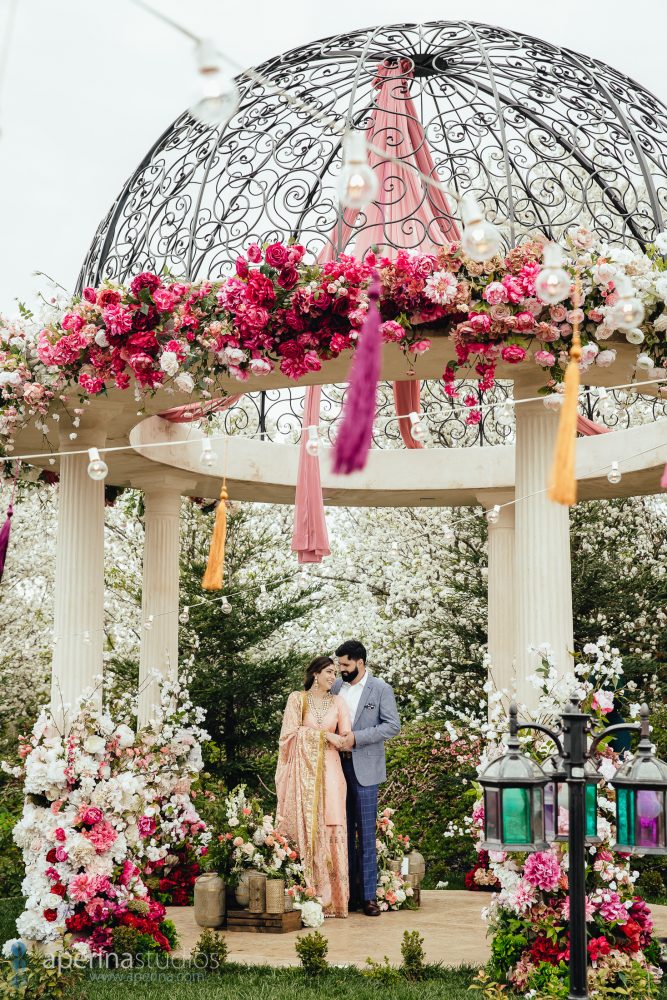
(211, 947)
(312, 950)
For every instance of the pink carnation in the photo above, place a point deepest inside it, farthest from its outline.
(147, 826)
(542, 870)
(102, 836)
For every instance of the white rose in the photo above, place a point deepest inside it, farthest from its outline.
(169, 362)
(101, 339)
(260, 366)
(661, 243)
(311, 914)
(661, 286)
(10, 378)
(125, 735)
(604, 273)
(185, 382)
(94, 744)
(605, 358)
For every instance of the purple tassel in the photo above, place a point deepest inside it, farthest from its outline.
(4, 538)
(356, 432)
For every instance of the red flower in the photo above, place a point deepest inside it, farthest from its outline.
(59, 889)
(598, 946)
(50, 915)
(288, 278)
(145, 280)
(107, 297)
(51, 856)
(277, 255)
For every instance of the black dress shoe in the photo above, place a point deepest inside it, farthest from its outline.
(371, 909)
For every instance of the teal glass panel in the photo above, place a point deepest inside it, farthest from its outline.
(516, 816)
(591, 810)
(625, 817)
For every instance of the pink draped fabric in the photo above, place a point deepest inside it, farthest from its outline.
(406, 400)
(196, 411)
(310, 539)
(589, 428)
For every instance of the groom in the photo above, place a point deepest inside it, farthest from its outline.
(374, 719)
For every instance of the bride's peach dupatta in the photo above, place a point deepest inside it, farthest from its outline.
(300, 787)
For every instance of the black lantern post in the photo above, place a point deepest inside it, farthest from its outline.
(521, 807)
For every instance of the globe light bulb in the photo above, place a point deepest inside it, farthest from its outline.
(493, 514)
(313, 442)
(184, 616)
(628, 311)
(97, 467)
(552, 284)
(417, 429)
(148, 624)
(357, 183)
(614, 475)
(644, 363)
(208, 456)
(220, 95)
(505, 415)
(225, 606)
(481, 239)
(553, 401)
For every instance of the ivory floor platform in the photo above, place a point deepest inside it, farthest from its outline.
(449, 922)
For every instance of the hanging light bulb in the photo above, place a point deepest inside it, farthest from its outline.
(184, 616)
(97, 467)
(552, 284)
(225, 606)
(220, 95)
(644, 363)
(417, 429)
(481, 239)
(313, 442)
(628, 311)
(493, 514)
(505, 416)
(357, 183)
(148, 624)
(208, 456)
(553, 401)
(614, 475)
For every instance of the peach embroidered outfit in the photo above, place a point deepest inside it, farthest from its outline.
(311, 798)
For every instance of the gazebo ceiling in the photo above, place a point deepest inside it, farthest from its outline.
(546, 138)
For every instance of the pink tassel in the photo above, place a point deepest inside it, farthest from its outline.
(4, 538)
(663, 481)
(356, 432)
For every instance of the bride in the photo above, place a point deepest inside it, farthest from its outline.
(311, 785)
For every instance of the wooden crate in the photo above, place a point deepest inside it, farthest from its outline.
(263, 923)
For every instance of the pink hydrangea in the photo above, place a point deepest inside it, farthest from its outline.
(102, 836)
(610, 907)
(542, 870)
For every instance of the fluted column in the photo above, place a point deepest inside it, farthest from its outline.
(79, 580)
(159, 598)
(501, 581)
(543, 573)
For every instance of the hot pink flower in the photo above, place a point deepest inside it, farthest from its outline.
(610, 907)
(89, 294)
(276, 255)
(60, 834)
(61, 854)
(513, 354)
(90, 815)
(514, 288)
(479, 322)
(542, 870)
(524, 321)
(421, 346)
(147, 826)
(495, 293)
(102, 836)
(391, 331)
(254, 253)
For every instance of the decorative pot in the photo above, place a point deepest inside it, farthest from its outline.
(275, 895)
(417, 865)
(209, 900)
(241, 891)
(393, 866)
(257, 893)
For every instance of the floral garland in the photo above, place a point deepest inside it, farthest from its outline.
(393, 891)
(278, 312)
(102, 807)
(528, 915)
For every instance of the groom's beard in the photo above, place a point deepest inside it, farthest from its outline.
(350, 675)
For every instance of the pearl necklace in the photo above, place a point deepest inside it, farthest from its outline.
(320, 712)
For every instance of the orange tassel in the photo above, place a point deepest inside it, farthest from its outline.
(563, 482)
(213, 576)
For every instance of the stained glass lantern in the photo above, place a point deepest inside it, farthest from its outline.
(513, 799)
(641, 792)
(557, 806)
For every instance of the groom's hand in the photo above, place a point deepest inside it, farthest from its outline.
(347, 741)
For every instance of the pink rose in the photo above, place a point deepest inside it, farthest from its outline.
(60, 834)
(479, 322)
(495, 293)
(288, 278)
(524, 321)
(254, 253)
(276, 255)
(513, 354)
(89, 294)
(421, 346)
(391, 331)
(575, 316)
(603, 701)
(242, 268)
(260, 366)
(605, 358)
(545, 358)
(546, 332)
(238, 841)
(61, 854)
(557, 313)
(146, 826)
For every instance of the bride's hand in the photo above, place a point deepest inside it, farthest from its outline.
(334, 739)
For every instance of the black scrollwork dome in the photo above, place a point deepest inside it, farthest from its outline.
(544, 137)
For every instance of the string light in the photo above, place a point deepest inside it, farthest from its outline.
(553, 401)
(184, 616)
(313, 441)
(225, 606)
(614, 475)
(505, 415)
(552, 284)
(493, 515)
(358, 183)
(417, 429)
(628, 312)
(148, 624)
(481, 239)
(97, 467)
(220, 95)
(208, 456)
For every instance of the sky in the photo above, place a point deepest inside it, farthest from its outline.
(88, 85)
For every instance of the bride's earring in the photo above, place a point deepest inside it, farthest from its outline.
(317, 683)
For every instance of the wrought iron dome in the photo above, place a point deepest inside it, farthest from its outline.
(546, 138)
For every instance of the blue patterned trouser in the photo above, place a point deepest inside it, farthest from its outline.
(362, 807)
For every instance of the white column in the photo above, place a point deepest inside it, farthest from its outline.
(501, 581)
(543, 573)
(159, 643)
(79, 579)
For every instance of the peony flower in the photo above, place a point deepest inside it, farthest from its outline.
(545, 358)
(169, 362)
(185, 382)
(441, 287)
(513, 354)
(495, 293)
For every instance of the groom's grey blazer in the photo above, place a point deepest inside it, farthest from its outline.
(376, 720)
